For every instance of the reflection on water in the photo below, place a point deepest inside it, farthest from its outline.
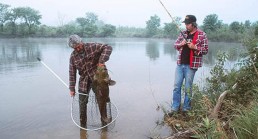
(17, 54)
(152, 49)
(34, 104)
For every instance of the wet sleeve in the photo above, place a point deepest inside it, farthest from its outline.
(72, 74)
(178, 42)
(106, 51)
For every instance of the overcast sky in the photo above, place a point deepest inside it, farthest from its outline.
(137, 12)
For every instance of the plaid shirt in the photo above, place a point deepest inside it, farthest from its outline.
(86, 64)
(201, 41)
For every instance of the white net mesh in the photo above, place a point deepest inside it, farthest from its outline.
(93, 120)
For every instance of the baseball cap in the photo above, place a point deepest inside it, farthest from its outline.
(189, 19)
(74, 40)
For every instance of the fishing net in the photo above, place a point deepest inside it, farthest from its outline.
(93, 121)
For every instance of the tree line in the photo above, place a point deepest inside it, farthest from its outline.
(25, 22)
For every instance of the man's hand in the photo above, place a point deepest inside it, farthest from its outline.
(183, 43)
(101, 65)
(191, 45)
(72, 93)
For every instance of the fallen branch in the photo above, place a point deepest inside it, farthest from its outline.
(216, 109)
(214, 114)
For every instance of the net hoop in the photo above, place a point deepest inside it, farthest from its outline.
(97, 128)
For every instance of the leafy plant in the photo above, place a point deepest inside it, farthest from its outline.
(216, 84)
(208, 130)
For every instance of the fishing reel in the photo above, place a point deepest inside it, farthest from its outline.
(188, 40)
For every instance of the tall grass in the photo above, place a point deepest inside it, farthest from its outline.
(246, 124)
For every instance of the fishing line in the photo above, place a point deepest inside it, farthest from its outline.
(152, 92)
(93, 114)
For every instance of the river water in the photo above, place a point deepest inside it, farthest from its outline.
(35, 104)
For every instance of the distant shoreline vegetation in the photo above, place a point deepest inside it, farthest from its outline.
(22, 22)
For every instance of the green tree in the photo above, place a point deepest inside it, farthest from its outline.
(30, 17)
(107, 30)
(3, 14)
(88, 25)
(82, 25)
(11, 18)
(247, 24)
(91, 18)
(81, 21)
(236, 27)
(70, 28)
(130, 32)
(42, 31)
(211, 23)
(256, 31)
(152, 26)
(91, 27)
(90, 30)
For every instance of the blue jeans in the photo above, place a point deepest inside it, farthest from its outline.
(183, 71)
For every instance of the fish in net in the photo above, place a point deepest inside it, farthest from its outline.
(79, 107)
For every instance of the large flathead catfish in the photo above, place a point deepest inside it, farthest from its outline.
(100, 86)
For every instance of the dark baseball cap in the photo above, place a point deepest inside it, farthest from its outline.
(189, 19)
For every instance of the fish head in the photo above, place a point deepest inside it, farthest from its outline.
(102, 75)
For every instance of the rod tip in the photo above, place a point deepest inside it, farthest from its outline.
(38, 59)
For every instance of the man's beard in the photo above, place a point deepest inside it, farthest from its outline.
(80, 52)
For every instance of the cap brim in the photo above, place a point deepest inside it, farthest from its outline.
(186, 22)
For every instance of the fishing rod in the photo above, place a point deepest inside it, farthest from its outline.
(173, 20)
(52, 72)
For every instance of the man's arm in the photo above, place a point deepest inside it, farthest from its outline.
(180, 41)
(106, 51)
(72, 75)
